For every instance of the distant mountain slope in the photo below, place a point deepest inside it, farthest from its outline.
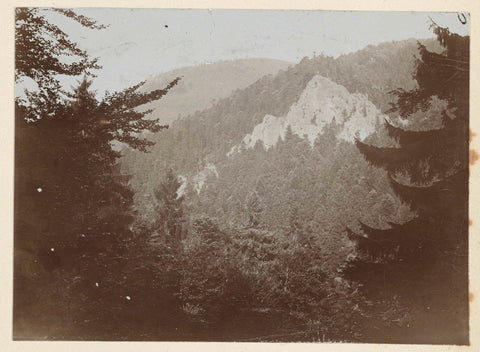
(196, 145)
(304, 162)
(202, 85)
(373, 71)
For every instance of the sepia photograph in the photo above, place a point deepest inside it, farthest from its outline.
(241, 175)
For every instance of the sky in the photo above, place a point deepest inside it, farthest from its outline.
(141, 43)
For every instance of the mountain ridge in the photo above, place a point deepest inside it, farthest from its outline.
(196, 144)
(202, 85)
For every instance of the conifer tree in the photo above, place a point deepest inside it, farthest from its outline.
(424, 262)
(72, 207)
(254, 209)
(169, 209)
(40, 51)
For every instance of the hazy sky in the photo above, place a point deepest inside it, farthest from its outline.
(140, 43)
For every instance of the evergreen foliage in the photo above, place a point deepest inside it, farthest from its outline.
(424, 262)
(73, 206)
(255, 248)
(207, 136)
(40, 51)
(254, 209)
(169, 220)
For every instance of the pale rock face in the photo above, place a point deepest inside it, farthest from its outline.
(200, 178)
(183, 186)
(235, 149)
(268, 132)
(322, 102)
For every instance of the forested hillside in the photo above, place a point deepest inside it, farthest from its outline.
(206, 137)
(278, 158)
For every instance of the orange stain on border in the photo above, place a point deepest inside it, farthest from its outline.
(471, 297)
(474, 156)
(472, 135)
(470, 222)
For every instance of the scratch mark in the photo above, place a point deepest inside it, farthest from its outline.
(213, 21)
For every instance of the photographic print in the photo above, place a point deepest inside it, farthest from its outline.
(241, 175)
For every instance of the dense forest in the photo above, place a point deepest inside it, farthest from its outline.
(234, 223)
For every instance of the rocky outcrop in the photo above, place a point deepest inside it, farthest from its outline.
(321, 103)
(200, 178)
(197, 180)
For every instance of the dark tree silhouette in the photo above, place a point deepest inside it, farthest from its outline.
(425, 261)
(73, 207)
(40, 51)
(254, 209)
(169, 211)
